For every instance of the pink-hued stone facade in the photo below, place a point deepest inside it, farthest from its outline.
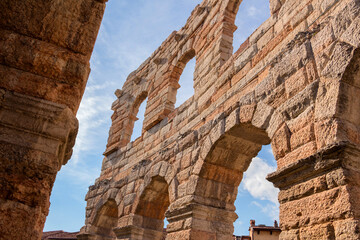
(294, 83)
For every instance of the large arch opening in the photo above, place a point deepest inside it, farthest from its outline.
(153, 203)
(106, 220)
(257, 198)
(222, 172)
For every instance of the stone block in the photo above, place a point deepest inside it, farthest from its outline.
(295, 83)
(303, 136)
(347, 229)
(345, 15)
(300, 153)
(338, 62)
(275, 6)
(326, 132)
(262, 115)
(281, 142)
(332, 204)
(352, 34)
(245, 57)
(276, 120)
(304, 189)
(296, 105)
(246, 113)
(276, 97)
(264, 88)
(301, 16)
(232, 120)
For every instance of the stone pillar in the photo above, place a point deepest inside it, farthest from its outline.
(320, 195)
(36, 139)
(195, 221)
(136, 227)
(45, 48)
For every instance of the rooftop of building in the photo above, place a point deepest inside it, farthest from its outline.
(263, 227)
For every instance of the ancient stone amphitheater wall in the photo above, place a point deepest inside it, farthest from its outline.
(293, 83)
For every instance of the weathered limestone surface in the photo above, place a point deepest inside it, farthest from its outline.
(45, 47)
(294, 83)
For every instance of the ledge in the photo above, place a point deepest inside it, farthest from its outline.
(328, 158)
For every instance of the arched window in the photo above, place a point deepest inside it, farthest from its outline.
(186, 83)
(251, 14)
(183, 76)
(139, 112)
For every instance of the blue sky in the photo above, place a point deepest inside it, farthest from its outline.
(130, 32)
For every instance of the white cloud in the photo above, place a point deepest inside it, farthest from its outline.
(93, 113)
(271, 209)
(94, 120)
(255, 181)
(81, 174)
(252, 11)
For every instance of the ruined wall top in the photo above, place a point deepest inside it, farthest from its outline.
(207, 36)
(220, 78)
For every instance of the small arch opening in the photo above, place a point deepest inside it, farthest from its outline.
(182, 79)
(251, 14)
(138, 114)
(186, 83)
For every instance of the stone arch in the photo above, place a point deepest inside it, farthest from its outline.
(147, 221)
(106, 220)
(164, 173)
(250, 26)
(154, 200)
(225, 154)
(122, 127)
(222, 171)
(137, 102)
